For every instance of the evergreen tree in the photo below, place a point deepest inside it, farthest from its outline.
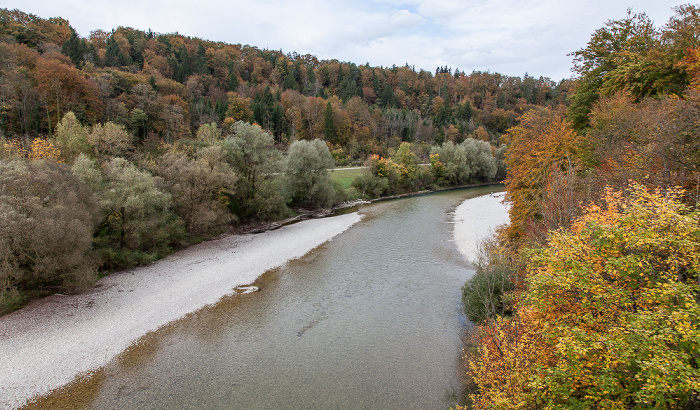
(74, 48)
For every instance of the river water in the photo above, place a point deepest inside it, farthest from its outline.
(371, 319)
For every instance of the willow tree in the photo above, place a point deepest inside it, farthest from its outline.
(47, 218)
(307, 180)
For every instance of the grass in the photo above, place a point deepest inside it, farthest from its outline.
(344, 176)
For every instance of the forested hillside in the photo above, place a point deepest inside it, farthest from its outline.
(118, 148)
(165, 85)
(590, 297)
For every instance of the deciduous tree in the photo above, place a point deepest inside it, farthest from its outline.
(137, 224)
(200, 186)
(47, 218)
(306, 174)
(251, 152)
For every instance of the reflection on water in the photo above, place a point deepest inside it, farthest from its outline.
(369, 320)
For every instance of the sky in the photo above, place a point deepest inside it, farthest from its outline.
(511, 37)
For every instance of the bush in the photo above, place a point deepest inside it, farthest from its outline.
(484, 295)
(370, 186)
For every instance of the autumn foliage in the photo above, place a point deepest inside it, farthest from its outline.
(610, 316)
(541, 147)
(605, 232)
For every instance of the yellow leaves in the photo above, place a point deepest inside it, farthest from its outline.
(12, 148)
(38, 149)
(43, 149)
(614, 301)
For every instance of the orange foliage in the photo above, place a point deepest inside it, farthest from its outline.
(44, 149)
(543, 141)
(65, 89)
(609, 319)
(691, 64)
(511, 351)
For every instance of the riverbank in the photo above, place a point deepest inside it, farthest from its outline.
(50, 342)
(473, 213)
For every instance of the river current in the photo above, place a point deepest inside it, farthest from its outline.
(370, 320)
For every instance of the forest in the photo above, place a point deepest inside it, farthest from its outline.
(120, 147)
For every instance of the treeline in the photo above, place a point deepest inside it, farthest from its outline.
(85, 200)
(165, 86)
(590, 297)
(88, 199)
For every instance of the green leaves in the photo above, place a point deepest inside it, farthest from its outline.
(306, 174)
(616, 296)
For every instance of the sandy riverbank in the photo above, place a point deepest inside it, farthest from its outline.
(476, 219)
(48, 343)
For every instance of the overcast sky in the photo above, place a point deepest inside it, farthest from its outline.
(507, 36)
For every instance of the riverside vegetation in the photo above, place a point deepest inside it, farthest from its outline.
(75, 204)
(589, 298)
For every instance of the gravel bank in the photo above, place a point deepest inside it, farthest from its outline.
(476, 219)
(52, 341)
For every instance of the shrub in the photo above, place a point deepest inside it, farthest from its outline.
(484, 295)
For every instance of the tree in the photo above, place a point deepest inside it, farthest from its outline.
(407, 161)
(47, 218)
(609, 317)
(542, 142)
(137, 224)
(64, 89)
(306, 174)
(252, 154)
(617, 295)
(631, 55)
(607, 46)
(469, 161)
(208, 133)
(200, 187)
(329, 131)
(480, 159)
(71, 138)
(110, 140)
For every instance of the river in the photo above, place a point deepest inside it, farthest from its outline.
(371, 319)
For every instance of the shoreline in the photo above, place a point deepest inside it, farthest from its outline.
(52, 341)
(482, 208)
(344, 208)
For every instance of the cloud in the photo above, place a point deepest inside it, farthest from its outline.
(507, 36)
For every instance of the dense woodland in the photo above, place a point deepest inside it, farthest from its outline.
(120, 147)
(165, 86)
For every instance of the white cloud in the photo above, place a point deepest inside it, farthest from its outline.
(508, 36)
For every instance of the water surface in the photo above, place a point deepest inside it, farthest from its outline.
(371, 319)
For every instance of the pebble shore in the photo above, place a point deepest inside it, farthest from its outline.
(52, 341)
